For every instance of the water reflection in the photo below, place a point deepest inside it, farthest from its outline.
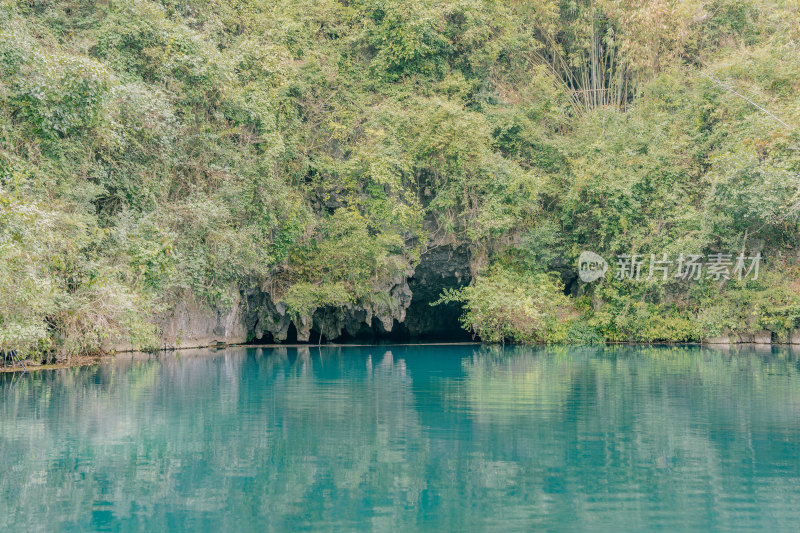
(406, 437)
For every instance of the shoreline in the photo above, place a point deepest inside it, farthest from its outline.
(78, 361)
(88, 360)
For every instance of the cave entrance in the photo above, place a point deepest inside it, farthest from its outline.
(441, 323)
(440, 268)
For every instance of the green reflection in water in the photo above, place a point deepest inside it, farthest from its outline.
(406, 438)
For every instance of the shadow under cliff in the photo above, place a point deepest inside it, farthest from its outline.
(440, 268)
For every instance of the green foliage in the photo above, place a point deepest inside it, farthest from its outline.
(58, 94)
(343, 265)
(507, 306)
(580, 332)
(59, 294)
(138, 39)
(151, 151)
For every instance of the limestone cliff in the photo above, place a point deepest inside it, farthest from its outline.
(404, 313)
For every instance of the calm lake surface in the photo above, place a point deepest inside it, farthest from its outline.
(401, 438)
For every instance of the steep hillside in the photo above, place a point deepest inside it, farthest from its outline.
(188, 172)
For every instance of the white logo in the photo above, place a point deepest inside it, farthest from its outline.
(591, 267)
(719, 267)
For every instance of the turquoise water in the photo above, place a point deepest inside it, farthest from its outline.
(402, 438)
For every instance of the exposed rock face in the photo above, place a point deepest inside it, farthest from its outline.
(263, 317)
(378, 318)
(760, 338)
(191, 325)
(402, 309)
(405, 311)
(442, 267)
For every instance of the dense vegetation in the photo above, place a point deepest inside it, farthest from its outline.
(151, 151)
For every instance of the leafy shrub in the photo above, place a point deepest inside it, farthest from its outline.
(407, 35)
(503, 305)
(59, 297)
(580, 332)
(137, 38)
(138, 145)
(343, 265)
(61, 95)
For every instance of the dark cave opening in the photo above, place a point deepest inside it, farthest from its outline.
(448, 330)
(440, 268)
(439, 323)
(291, 338)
